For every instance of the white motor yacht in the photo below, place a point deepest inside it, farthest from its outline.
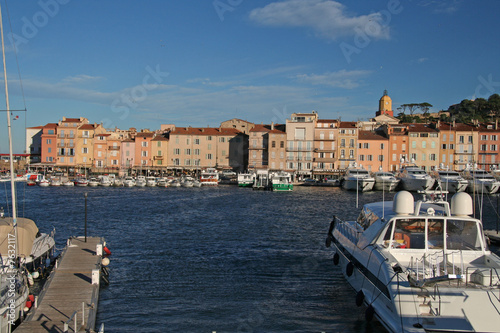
(94, 182)
(150, 181)
(129, 182)
(450, 180)
(385, 181)
(480, 181)
(357, 178)
(420, 267)
(140, 181)
(105, 181)
(210, 177)
(413, 178)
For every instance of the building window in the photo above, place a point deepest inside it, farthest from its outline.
(209, 156)
(494, 147)
(209, 138)
(470, 139)
(414, 144)
(361, 157)
(461, 139)
(300, 134)
(483, 147)
(414, 156)
(494, 137)
(196, 141)
(424, 144)
(188, 151)
(282, 144)
(197, 152)
(177, 151)
(484, 137)
(273, 144)
(432, 157)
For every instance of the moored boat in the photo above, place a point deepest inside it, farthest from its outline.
(414, 179)
(480, 181)
(129, 182)
(357, 178)
(209, 177)
(81, 182)
(246, 179)
(385, 181)
(450, 180)
(281, 181)
(422, 267)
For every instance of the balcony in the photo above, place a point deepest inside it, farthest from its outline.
(300, 149)
(319, 150)
(464, 152)
(158, 158)
(113, 148)
(325, 159)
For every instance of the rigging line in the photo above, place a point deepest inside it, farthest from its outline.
(15, 53)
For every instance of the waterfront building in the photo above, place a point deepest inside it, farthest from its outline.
(446, 144)
(300, 143)
(372, 150)
(424, 145)
(488, 145)
(398, 144)
(241, 125)
(266, 147)
(127, 157)
(466, 141)
(49, 145)
(84, 146)
(198, 148)
(325, 147)
(159, 150)
(34, 144)
(66, 141)
(143, 155)
(347, 143)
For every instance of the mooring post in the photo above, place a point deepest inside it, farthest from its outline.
(85, 217)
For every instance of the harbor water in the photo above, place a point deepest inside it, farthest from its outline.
(223, 259)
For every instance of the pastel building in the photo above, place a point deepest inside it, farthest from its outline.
(300, 130)
(373, 150)
(325, 146)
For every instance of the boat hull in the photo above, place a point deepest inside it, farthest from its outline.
(362, 185)
(417, 184)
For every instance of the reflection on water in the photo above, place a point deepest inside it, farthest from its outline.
(223, 259)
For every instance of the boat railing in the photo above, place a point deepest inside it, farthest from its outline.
(436, 267)
(347, 230)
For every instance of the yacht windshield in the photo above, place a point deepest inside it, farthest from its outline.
(422, 233)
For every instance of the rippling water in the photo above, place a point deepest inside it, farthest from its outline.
(222, 259)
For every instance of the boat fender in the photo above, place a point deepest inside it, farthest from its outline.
(105, 261)
(108, 252)
(349, 269)
(360, 297)
(28, 304)
(336, 259)
(369, 313)
(30, 279)
(35, 275)
(31, 297)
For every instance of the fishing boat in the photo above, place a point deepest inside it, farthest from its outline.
(281, 181)
(246, 179)
(413, 178)
(210, 177)
(357, 178)
(450, 180)
(420, 267)
(385, 181)
(480, 181)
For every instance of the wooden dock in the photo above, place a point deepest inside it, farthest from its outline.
(70, 296)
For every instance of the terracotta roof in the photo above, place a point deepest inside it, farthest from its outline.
(327, 121)
(420, 128)
(87, 127)
(145, 135)
(204, 131)
(369, 135)
(159, 138)
(71, 120)
(267, 128)
(51, 125)
(35, 127)
(347, 124)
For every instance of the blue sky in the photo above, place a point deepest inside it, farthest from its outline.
(197, 63)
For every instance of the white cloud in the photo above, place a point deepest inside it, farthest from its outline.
(341, 79)
(82, 78)
(422, 60)
(326, 17)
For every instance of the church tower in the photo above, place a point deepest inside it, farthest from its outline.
(385, 105)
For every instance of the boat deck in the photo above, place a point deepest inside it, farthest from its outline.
(69, 288)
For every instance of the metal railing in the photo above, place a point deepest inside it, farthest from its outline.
(74, 317)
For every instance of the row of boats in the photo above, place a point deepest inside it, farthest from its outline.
(412, 178)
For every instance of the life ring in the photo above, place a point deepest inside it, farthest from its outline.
(336, 259)
(349, 269)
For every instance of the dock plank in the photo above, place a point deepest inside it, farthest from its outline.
(67, 288)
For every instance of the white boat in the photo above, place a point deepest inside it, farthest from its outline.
(129, 182)
(117, 182)
(105, 181)
(56, 181)
(357, 178)
(150, 181)
(94, 182)
(385, 181)
(68, 183)
(413, 178)
(281, 181)
(210, 177)
(174, 183)
(480, 181)
(140, 181)
(33, 178)
(44, 182)
(450, 180)
(421, 267)
(162, 182)
(81, 182)
(246, 179)
(196, 183)
(187, 182)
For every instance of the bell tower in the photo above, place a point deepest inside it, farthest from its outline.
(385, 105)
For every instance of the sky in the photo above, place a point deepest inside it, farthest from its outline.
(200, 62)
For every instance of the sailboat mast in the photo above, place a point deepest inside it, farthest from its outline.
(11, 157)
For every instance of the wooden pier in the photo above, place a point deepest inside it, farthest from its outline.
(68, 301)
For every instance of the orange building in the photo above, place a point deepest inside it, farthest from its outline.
(373, 150)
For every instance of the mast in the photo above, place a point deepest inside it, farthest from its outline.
(11, 157)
